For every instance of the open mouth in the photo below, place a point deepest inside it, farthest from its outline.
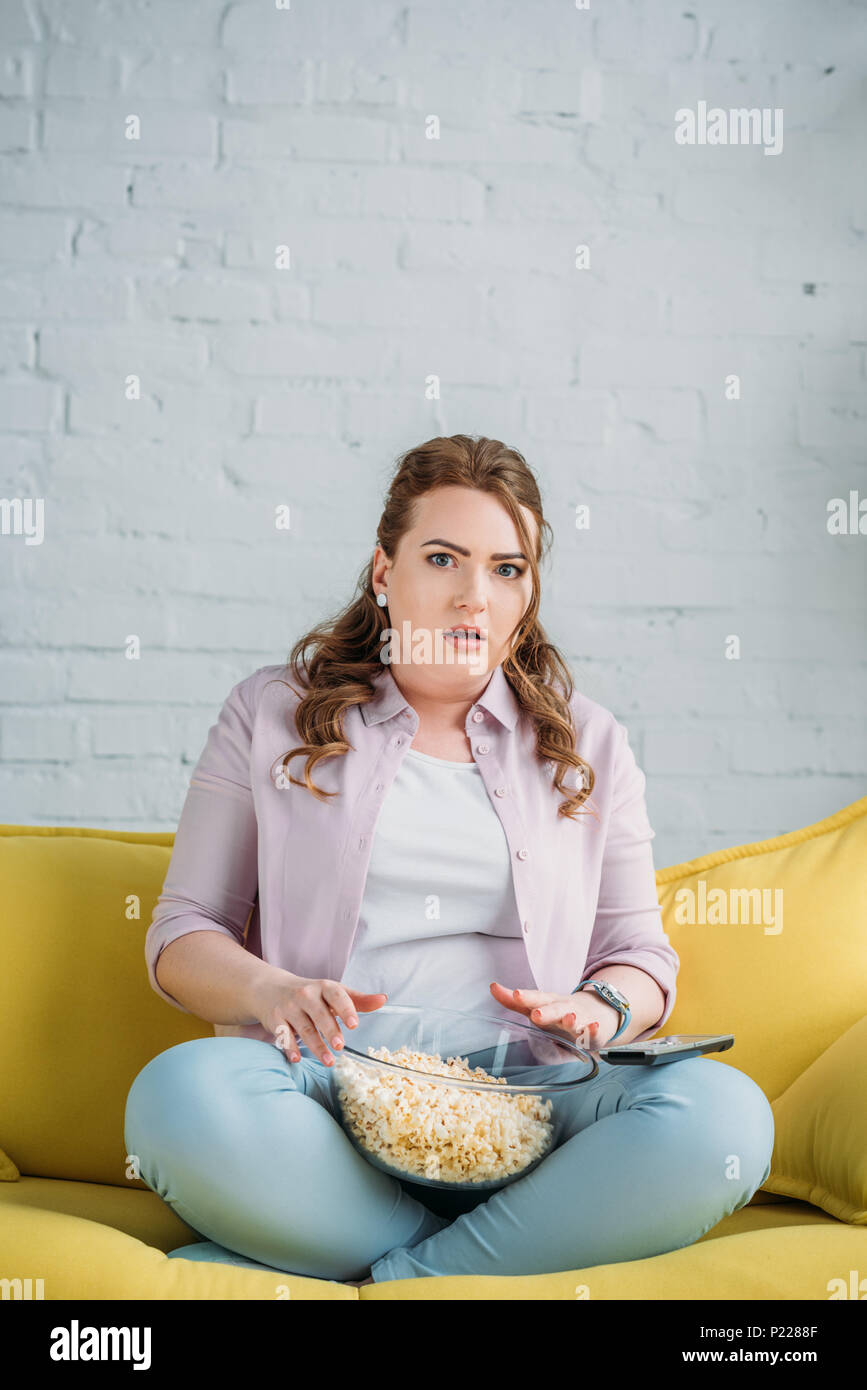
(463, 637)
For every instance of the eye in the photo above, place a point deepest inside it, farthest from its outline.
(507, 564)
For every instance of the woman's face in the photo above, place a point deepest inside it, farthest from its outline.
(460, 563)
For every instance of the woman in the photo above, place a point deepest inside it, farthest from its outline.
(448, 770)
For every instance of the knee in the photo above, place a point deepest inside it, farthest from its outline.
(176, 1067)
(181, 1077)
(737, 1122)
(164, 1080)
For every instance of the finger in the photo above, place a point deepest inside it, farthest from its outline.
(549, 1013)
(578, 1030)
(506, 997)
(553, 1013)
(341, 1004)
(534, 997)
(581, 1033)
(364, 1003)
(584, 1034)
(307, 1030)
(512, 1002)
(526, 998)
(332, 1032)
(327, 1024)
(286, 1040)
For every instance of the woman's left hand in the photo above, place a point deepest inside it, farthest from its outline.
(583, 1018)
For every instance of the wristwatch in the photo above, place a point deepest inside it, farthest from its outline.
(613, 997)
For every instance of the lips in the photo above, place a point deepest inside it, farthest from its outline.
(464, 632)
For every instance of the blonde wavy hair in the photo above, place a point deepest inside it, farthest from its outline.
(345, 650)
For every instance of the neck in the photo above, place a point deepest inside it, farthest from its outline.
(444, 713)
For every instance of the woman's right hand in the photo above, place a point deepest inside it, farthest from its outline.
(293, 1007)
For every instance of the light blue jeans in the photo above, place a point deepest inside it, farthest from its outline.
(244, 1146)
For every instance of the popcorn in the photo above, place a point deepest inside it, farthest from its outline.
(444, 1133)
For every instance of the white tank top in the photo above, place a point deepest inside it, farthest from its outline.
(438, 920)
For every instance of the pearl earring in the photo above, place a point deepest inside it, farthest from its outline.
(382, 599)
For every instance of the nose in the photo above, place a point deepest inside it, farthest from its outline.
(473, 605)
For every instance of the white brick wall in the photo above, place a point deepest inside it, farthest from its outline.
(409, 256)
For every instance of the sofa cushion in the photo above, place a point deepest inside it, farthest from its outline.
(78, 1018)
(8, 1170)
(788, 975)
(820, 1138)
(142, 1214)
(814, 1262)
(768, 1218)
(79, 1259)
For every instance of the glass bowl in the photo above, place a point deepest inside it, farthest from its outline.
(444, 1129)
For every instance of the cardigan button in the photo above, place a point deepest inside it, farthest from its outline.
(500, 791)
(522, 853)
(478, 717)
(483, 748)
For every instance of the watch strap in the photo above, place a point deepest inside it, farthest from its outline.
(626, 1014)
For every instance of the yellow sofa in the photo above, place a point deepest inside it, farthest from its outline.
(78, 1021)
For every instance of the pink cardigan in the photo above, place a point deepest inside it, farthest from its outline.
(249, 848)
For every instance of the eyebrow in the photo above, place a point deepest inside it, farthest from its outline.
(501, 555)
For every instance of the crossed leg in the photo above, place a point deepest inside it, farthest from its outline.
(247, 1151)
